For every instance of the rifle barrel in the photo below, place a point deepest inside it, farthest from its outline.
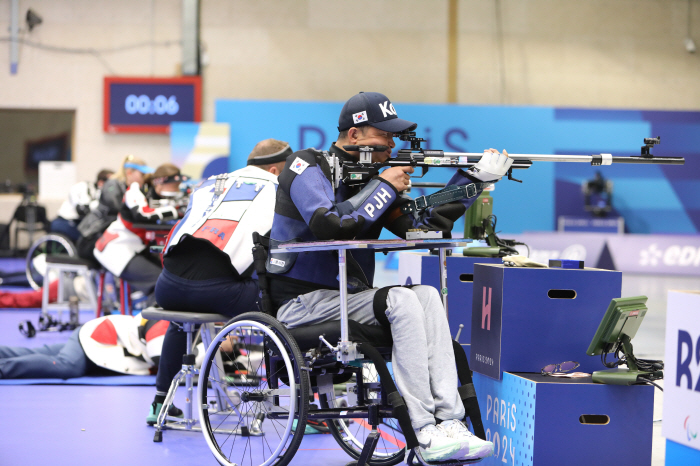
(476, 156)
(657, 160)
(533, 157)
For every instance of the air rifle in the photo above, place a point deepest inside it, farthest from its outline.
(360, 172)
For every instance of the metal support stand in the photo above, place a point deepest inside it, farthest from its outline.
(372, 438)
(443, 278)
(187, 372)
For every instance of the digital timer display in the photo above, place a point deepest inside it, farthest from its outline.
(143, 105)
(150, 104)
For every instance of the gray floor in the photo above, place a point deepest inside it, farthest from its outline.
(650, 339)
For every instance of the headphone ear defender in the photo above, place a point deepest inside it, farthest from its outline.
(29, 331)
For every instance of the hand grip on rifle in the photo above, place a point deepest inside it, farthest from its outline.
(492, 166)
(398, 177)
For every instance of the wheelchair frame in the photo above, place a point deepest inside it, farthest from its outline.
(47, 244)
(297, 375)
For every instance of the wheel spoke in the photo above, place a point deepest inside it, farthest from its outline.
(260, 387)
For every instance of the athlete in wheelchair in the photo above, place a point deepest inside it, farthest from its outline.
(261, 418)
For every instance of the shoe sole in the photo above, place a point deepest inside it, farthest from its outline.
(152, 423)
(444, 454)
(479, 453)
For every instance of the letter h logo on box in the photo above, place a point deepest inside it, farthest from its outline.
(486, 310)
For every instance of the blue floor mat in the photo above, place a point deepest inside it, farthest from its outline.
(10, 319)
(12, 272)
(127, 380)
(16, 289)
(12, 264)
(83, 425)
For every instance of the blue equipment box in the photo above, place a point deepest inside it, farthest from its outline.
(424, 269)
(566, 263)
(526, 318)
(547, 421)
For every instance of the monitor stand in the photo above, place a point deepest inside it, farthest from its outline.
(480, 251)
(618, 376)
(629, 376)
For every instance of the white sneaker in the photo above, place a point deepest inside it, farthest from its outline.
(472, 446)
(435, 445)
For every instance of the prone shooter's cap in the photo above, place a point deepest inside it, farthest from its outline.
(372, 109)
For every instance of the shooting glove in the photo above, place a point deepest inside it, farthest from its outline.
(491, 167)
(443, 217)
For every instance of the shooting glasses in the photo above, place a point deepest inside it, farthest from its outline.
(562, 367)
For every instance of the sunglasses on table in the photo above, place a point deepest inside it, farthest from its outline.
(566, 366)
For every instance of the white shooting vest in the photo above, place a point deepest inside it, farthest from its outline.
(228, 220)
(82, 193)
(121, 241)
(105, 339)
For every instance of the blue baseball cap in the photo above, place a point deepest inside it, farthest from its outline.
(145, 169)
(372, 109)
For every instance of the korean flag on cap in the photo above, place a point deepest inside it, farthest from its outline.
(360, 117)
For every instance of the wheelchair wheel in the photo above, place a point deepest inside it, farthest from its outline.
(352, 433)
(253, 393)
(53, 243)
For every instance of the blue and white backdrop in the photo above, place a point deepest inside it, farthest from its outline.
(652, 199)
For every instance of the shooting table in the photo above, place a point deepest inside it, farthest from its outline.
(378, 246)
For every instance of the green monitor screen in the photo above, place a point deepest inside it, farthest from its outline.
(623, 317)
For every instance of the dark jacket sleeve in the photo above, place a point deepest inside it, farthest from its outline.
(328, 218)
(438, 218)
(97, 220)
(112, 196)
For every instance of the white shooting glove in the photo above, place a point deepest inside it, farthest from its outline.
(491, 167)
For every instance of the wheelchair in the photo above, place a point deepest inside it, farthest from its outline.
(274, 381)
(53, 249)
(47, 245)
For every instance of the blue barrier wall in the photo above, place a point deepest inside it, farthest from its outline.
(653, 199)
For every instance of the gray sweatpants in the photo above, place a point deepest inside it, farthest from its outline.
(422, 356)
